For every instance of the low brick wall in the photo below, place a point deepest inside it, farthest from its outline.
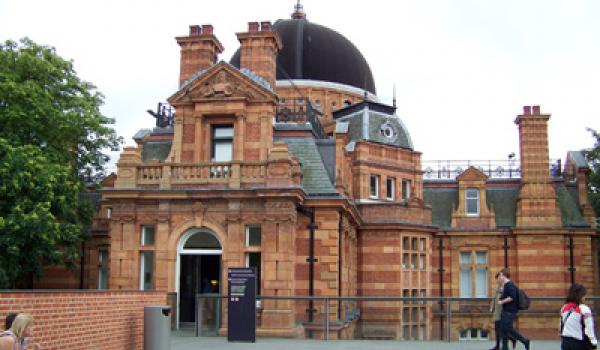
(83, 319)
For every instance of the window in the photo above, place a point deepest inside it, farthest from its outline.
(472, 196)
(473, 334)
(406, 189)
(390, 188)
(253, 236)
(103, 269)
(147, 235)
(413, 253)
(147, 270)
(253, 260)
(374, 186)
(222, 143)
(108, 213)
(473, 274)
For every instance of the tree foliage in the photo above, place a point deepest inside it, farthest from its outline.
(42, 214)
(593, 157)
(53, 137)
(44, 103)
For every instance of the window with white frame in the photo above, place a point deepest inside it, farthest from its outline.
(103, 269)
(473, 274)
(390, 188)
(146, 270)
(253, 235)
(374, 186)
(472, 201)
(222, 143)
(406, 187)
(147, 235)
(108, 212)
(473, 334)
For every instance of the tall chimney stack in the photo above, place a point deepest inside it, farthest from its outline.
(258, 50)
(536, 205)
(199, 50)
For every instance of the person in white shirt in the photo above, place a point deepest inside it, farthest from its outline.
(576, 322)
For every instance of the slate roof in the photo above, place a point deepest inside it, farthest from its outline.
(579, 158)
(367, 121)
(315, 178)
(503, 200)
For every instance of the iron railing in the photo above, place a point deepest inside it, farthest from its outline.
(299, 110)
(495, 169)
(440, 313)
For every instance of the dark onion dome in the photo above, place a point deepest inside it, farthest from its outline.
(314, 52)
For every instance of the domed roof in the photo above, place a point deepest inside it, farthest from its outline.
(314, 52)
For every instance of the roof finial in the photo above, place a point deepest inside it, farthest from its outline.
(298, 11)
(394, 100)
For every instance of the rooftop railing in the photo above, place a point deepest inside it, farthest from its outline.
(494, 169)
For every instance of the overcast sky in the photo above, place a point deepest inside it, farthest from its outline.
(462, 69)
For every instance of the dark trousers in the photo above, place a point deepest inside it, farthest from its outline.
(507, 330)
(499, 334)
(568, 343)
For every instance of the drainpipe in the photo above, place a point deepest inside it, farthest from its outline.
(311, 263)
(505, 246)
(441, 276)
(340, 263)
(571, 258)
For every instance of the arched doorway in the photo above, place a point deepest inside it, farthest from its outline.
(198, 270)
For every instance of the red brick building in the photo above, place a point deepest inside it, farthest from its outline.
(284, 159)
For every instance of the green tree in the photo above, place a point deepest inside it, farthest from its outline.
(53, 138)
(44, 103)
(42, 214)
(593, 157)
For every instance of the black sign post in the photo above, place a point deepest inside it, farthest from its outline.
(241, 310)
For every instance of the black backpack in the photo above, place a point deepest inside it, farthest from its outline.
(522, 299)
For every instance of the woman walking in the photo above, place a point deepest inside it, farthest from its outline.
(576, 321)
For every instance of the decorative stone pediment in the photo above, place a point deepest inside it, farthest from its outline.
(221, 81)
(472, 174)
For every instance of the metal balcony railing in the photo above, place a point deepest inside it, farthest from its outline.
(494, 169)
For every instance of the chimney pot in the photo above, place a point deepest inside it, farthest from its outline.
(526, 110)
(195, 30)
(253, 26)
(265, 26)
(536, 110)
(207, 29)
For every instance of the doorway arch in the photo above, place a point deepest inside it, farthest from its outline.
(198, 269)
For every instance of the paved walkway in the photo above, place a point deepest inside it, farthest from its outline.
(186, 341)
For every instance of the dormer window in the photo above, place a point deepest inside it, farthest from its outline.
(222, 143)
(472, 199)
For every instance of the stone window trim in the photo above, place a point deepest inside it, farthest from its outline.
(374, 186)
(253, 236)
(473, 334)
(473, 272)
(147, 268)
(147, 235)
(390, 188)
(103, 267)
(414, 253)
(472, 202)
(221, 135)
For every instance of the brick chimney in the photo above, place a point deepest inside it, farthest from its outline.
(199, 50)
(536, 205)
(258, 50)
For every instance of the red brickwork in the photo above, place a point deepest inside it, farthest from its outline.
(84, 319)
